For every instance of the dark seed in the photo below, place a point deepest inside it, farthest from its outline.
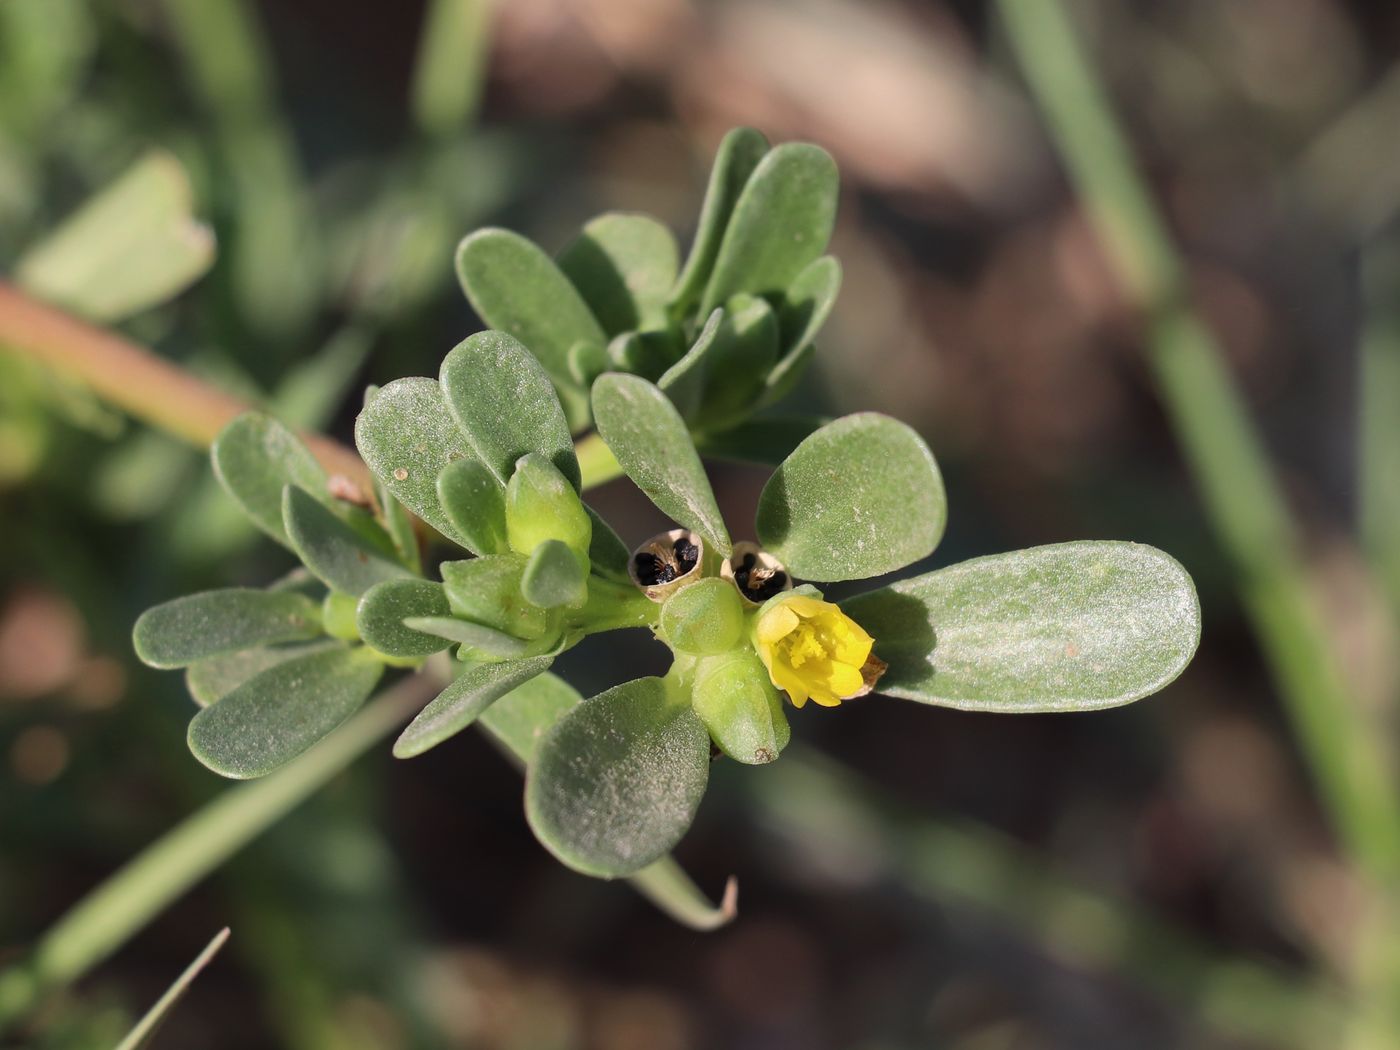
(687, 554)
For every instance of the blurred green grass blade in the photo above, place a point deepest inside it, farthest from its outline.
(1238, 488)
(274, 257)
(451, 65)
(822, 817)
(131, 246)
(111, 914)
(1379, 400)
(145, 1030)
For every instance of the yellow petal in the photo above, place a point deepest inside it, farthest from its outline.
(777, 623)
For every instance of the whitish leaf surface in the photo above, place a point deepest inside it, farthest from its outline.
(860, 497)
(214, 677)
(505, 404)
(523, 715)
(486, 641)
(475, 502)
(735, 161)
(616, 782)
(623, 265)
(1067, 627)
(276, 715)
(781, 224)
(339, 556)
(463, 701)
(651, 442)
(406, 435)
(808, 303)
(382, 609)
(255, 457)
(197, 626)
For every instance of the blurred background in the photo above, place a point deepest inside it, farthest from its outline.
(1163, 875)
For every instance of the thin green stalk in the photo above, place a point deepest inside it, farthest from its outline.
(448, 75)
(107, 917)
(145, 1028)
(1241, 496)
(1378, 396)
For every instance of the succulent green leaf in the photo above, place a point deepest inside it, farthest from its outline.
(739, 706)
(1066, 627)
(338, 616)
(646, 354)
(616, 782)
(768, 440)
(705, 618)
(587, 361)
(216, 676)
(684, 381)
(504, 403)
(487, 591)
(735, 161)
(781, 223)
(517, 288)
(132, 245)
(381, 612)
(542, 505)
(522, 716)
(860, 497)
(651, 442)
(607, 554)
(336, 554)
(475, 502)
(783, 377)
(743, 351)
(471, 694)
(486, 642)
(808, 303)
(255, 457)
(623, 265)
(275, 716)
(406, 436)
(179, 632)
(554, 578)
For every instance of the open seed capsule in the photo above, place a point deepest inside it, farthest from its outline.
(667, 562)
(757, 574)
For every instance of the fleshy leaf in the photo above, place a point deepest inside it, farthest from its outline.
(504, 403)
(475, 502)
(624, 265)
(808, 303)
(768, 440)
(382, 609)
(684, 381)
(487, 641)
(523, 715)
(255, 457)
(517, 288)
(781, 223)
(278, 714)
(860, 497)
(607, 554)
(744, 349)
(406, 436)
(463, 701)
(132, 245)
(651, 442)
(199, 626)
(339, 556)
(487, 591)
(646, 354)
(616, 782)
(554, 578)
(740, 707)
(738, 155)
(1066, 627)
(214, 677)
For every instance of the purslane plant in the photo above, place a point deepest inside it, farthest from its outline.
(665, 362)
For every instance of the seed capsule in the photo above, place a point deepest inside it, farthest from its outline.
(667, 562)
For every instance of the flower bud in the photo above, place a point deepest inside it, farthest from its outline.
(704, 618)
(739, 706)
(541, 505)
(338, 616)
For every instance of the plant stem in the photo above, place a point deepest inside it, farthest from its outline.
(107, 917)
(1241, 496)
(137, 381)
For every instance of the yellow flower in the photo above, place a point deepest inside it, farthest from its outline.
(814, 650)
